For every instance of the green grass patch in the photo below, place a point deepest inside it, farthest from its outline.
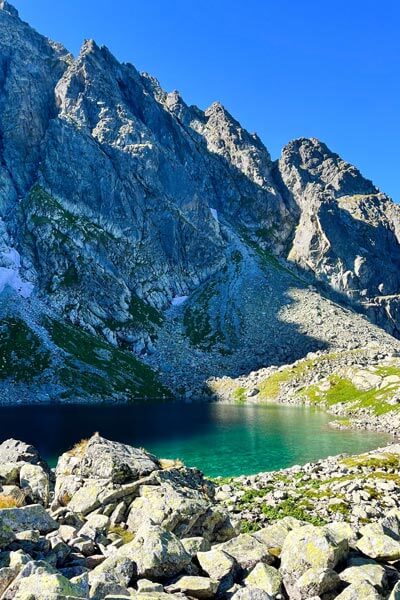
(97, 368)
(45, 211)
(239, 395)
(144, 314)
(247, 526)
(291, 508)
(22, 355)
(197, 321)
(344, 391)
(387, 460)
(270, 387)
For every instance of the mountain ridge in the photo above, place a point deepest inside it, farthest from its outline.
(122, 202)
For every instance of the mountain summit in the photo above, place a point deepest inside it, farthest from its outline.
(134, 227)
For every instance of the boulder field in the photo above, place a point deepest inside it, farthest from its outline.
(112, 521)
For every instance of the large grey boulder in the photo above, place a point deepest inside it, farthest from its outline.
(265, 577)
(33, 516)
(6, 534)
(35, 480)
(15, 451)
(360, 591)
(37, 580)
(247, 551)
(111, 577)
(375, 543)
(203, 588)
(374, 574)
(181, 501)
(105, 460)
(156, 553)
(307, 548)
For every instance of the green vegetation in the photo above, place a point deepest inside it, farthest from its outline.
(236, 257)
(239, 395)
(270, 387)
(71, 277)
(44, 210)
(339, 507)
(197, 320)
(250, 495)
(95, 367)
(344, 391)
(387, 460)
(249, 526)
(22, 355)
(265, 233)
(124, 534)
(291, 508)
(143, 314)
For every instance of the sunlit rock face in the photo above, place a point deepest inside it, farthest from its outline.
(348, 233)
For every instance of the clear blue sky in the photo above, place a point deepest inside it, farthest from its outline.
(285, 68)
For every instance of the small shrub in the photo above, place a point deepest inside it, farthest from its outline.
(8, 502)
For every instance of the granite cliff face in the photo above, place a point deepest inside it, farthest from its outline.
(159, 229)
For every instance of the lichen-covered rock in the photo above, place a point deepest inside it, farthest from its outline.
(371, 573)
(33, 516)
(376, 544)
(6, 534)
(39, 581)
(181, 501)
(103, 459)
(9, 473)
(218, 565)
(274, 535)
(247, 551)
(111, 577)
(36, 479)
(15, 451)
(87, 498)
(307, 548)
(265, 577)
(149, 587)
(11, 564)
(360, 591)
(195, 587)
(156, 553)
(193, 545)
(250, 593)
(315, 582)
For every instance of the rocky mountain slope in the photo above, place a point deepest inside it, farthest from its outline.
(134, 227)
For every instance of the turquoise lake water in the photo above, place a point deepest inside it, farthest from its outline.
(226, 440)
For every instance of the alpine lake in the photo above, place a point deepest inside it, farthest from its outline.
(220, 439)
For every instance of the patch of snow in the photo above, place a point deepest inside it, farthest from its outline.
(214, 213)
(178, 300)
(9, 273)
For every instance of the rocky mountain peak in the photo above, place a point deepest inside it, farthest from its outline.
(308, 161)
(8, 8)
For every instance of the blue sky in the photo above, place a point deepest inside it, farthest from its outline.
(284, 69)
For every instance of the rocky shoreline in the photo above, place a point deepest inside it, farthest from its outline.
(112, 521)
(360, 387)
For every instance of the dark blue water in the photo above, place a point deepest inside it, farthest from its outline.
(221, 440)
